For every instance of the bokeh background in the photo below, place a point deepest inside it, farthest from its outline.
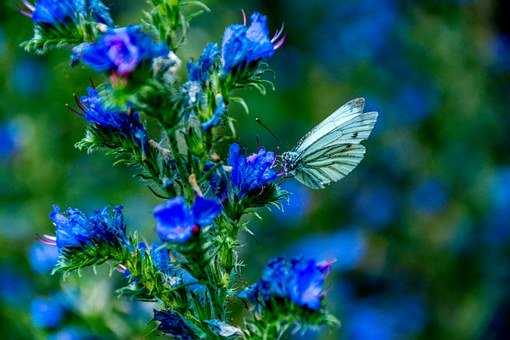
(420, 231)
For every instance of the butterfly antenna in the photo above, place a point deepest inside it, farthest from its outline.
(259, 121)
(258, 141)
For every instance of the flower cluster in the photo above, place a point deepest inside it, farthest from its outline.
(251, 173)
(177, 222)
(51, 13)
(191, 271)
(96, 112)
(77, 234)
(298, 281)
(119, 51)
(244, 45)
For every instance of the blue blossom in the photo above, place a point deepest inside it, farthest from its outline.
(47, 312)
(299, 281)
(429, 196)
(173, 324)
(252, 172)
(71, 333)
(42, 257)
(15, 288)
(348, 246)
(120, 51)
(10, 139)
(218, 113)
(28, 76)
(243, 45)
(74, 229)
(177, 222)
(96, 112)
(58, 12)
(200, 70)
(376, 205)
(499, 48)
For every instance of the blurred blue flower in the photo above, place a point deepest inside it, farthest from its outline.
(28, 76)
(243, 44)
(347, 246)
(365, 30)
(252, 172)
(74, 229)
(218, 113)
(57, 12)
(298, 204)
(177, 222)
(500, 188)
(499, 48)
(376, 205)
(119, 51)
(414, 103)
(173, 324)
(71, 333)
(96, 112)
(429, 196)
(199, 71)
(10, 139)
(497, 227)
(391, 318)
(14, 287)
(298, 280)
(47, 312)
(42, 257)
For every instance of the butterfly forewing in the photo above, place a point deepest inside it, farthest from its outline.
(341, 116)
(332, 149)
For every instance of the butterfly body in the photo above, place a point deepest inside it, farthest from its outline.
(332, 149)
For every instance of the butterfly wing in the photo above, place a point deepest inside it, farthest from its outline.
(332, 149)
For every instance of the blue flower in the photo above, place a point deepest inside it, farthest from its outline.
(252, 172)
(95, 111)
(10, 136)
(200, 70)
(299, 281)
(348, 246)
(173, 324)
(177, 222)
(218, 113)
(74, 229)
(42, 257)
(429, 196)
(71, 333)
(243, 45)
(120, 51)
(47, 312)
(376, 205)
(58, 12)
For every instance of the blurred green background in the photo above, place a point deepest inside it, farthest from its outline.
(420, 231)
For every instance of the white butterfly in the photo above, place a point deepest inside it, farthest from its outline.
(332, 149)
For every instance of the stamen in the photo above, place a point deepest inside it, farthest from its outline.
(280, 43)
(28, 5)
(25, 13)
(278, 34)
(72, 109)
(245, 18)
(47, 239)
(79, 103)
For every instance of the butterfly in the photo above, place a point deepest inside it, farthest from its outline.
(332, 149)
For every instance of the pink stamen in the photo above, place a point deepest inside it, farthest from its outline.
(25, 13)
(245, 18)
(28, 5)
(278, 34)
(280, 43)
(121, 268)
(48, 240)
